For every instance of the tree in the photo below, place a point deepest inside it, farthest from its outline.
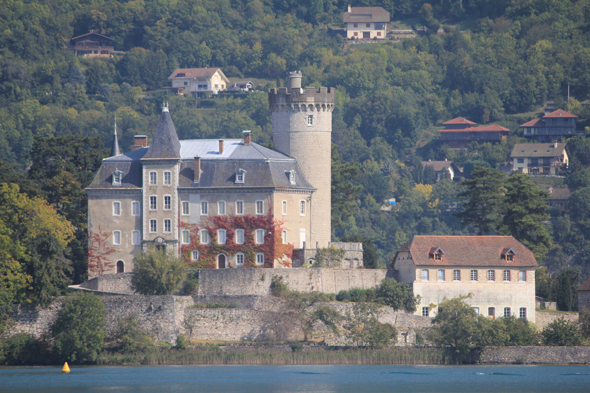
(397, 295)
(76, 77)
(157, 272)
(561, 333)
(484, 193)
(565, 291)
(525, 213)
(78, 331)
(345, 193)
(131, 338)
(429, 175)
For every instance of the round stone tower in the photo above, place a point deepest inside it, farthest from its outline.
(302, 128)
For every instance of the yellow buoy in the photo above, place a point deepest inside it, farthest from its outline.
(66, 368)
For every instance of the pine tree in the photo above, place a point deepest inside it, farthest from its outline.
(76, 77)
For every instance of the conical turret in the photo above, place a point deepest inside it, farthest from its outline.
(115, 151)
(165, 143)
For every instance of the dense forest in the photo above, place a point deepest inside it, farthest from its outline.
(491, 61)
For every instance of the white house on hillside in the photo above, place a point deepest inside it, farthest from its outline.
(366, 22)
(199, 82)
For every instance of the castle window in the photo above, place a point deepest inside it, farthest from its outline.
(153, 202)
(424, 274)
(117, 175)
(204, 208)
(240, 259)
(135, 211)
(116, 238)
(167, 226)
(259, 207)
(135, 238)
(425, 311)
(522, 312)
(239, 208)
(474, 275)
(116, 208)
(522, 275)
(167, 202)
(491, 275)
(185, 208)
(120, 267)
(167, 178)
(506, 312)
(153, 226)
(456, 275)
(186, 237)
(239, 236)
(506, 275)
(284, 237)
(302, 208)
(221, 208)
(441, 275)
(260, 259)
(240, 175)
(309, 120)
(221, 234)
(284, 208)
(153, 178)
(195, 255)
(204, 236)
(259, 236)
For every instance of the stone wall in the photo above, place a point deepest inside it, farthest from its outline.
(116, 283)
(536, 355)
(258, 281)
(583, 299)
(545, 318)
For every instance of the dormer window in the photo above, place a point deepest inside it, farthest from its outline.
(291, 175)
(117, 175)
(438, 256)
(436, 253)
(508, 254)
(240, 176)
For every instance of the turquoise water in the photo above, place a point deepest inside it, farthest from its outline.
(307, 379)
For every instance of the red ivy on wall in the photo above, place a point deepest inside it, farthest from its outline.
(98, 252)
(272, 248)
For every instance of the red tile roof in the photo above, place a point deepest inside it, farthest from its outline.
(459, 120)
(491, 127)
(585, 286)
(560, 113)
(534, 123)
(469, 251)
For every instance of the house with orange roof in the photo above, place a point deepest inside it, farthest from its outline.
(199, 82)
(553, 126)
(460, 132)
(496, 272)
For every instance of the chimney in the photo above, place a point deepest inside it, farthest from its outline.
(140, 141)
(197, 169)
(221, 146)
(429, 160)
(349, 8)
(446, 159)
(294, 80)
(247, 137)
(555, 145)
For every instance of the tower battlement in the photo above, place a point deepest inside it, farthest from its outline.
(311, 95)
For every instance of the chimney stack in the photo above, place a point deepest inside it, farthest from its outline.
(197, 169)
(247, 137)
(140, 141)
(349, 8)
(221, 146)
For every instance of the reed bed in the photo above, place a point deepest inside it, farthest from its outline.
(276, 357)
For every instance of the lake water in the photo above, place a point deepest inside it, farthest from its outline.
(306, 379)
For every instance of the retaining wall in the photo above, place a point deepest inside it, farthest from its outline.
(536, 355)
(543, 319)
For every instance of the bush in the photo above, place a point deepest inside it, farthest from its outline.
(343, 296)
(397, 295)
(182, 342)
(191, 284)
(131, 338)
(380, 335)
(157, 272)
(561, 333)
(23, 350)
(215, 305)
(78, 331)
(278, 287)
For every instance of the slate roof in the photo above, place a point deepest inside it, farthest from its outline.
(366, 14)
(585, 286)
(165, 143)
(473, 251)
(439, 165)
(559, 193)
(539, 150)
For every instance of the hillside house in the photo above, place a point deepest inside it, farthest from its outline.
(366, 22)
(498, 272)
(460, 132)
(558, 197)
(441, 166)
(539, 158)
(241, 86)
(198, 82)
(91, 44)
(551, 127)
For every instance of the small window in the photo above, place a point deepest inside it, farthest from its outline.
(356, 34)
(425, 311)
(291, 175)
(239, 208)
(116, 208)
(186, 237)
(167, 178)
(476, 309)
(441, 275)
(284, 236)
(259, 207)
(506, 312)
(522, 313)
(167, 226)
(204, 208)
(167, 202)
(221, 208)
(153, 178)
(310, 120)
(438, 256)
(117, 175)
(185, 208)
(355, 24)
(153, 202)
(302, 208)
(221, 235)
(153, 226)
(259, 259)
(456, 275)
(522, 275)
(520, 160)
(116, 238)
(240, 176)
(204, 236)
(195, 255)
(135, 209)
(492, 312)
(367, 25)
(120, 267)
(239, 236)
(424, 274)
(284, 208)
(240, 259)
(259, 236)
(506, 275)
(510, 256)
(135, 238)
(491, 275)
(474, 275)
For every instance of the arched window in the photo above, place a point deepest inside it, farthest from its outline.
(221, 261)
(120, 267)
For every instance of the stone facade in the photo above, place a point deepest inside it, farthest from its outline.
(545, 318)
(352, 259)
